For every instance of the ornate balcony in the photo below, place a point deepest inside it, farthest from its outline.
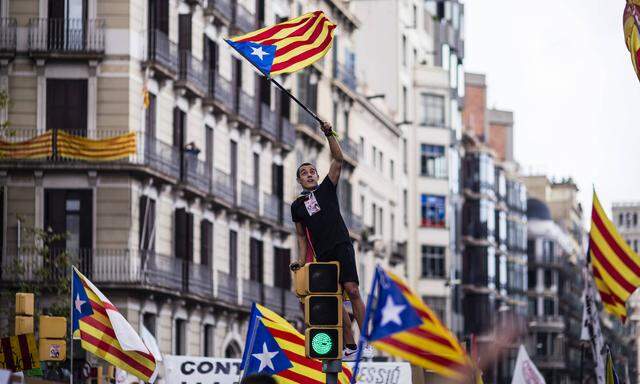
(271, 207)
(162, 55)
(67, 38)
(222, 10)
(252, 292)
(268, 126)
(220, 94)
(222, 187)
(287, 134)
(346, 76)
(350, 150)
(227, 288)
(246, 109)
(249, 199)
(200, 279)
(197, 173)
(191, 75)
(244, 20)
(7, 37)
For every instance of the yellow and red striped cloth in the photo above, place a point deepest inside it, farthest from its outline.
(70, 147)
(631, 22)
(304, 370)
(431, 345)
(616, 268)
(98, 337)
(298, 42)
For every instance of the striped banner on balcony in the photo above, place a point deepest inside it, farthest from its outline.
(81, 148)
(35, 148)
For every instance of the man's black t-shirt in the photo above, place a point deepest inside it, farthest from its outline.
(326, 226)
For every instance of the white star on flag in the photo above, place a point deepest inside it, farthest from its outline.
(391, 312)
(258, 52)
(265, 358)
(79, 303)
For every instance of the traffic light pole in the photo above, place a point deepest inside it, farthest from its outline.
(332, 368)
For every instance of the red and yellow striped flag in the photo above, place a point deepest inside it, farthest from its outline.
(426, 342)
(616, 268)
(288, 46)
(99, 337)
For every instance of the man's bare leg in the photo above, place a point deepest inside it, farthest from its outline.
(356, 302)
(347, 328)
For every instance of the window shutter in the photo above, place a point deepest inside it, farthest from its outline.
(189, 232)
(180, 235)
(205, 241)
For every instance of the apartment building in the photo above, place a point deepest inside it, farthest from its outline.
(414, 67)
(189, 229)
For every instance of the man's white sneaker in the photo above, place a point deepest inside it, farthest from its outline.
(349, 354)
(368, 352)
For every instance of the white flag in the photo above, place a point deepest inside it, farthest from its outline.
(591, 326)
(525, 371)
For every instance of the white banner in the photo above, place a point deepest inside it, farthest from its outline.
(211, 370)
(525, 371)
(591, 326)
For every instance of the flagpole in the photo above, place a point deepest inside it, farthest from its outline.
(71, 321)
(283, 89)
(250, 346)
(365, 326)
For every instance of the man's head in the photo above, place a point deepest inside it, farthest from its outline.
(307, 176)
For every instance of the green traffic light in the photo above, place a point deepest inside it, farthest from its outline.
(321, 343)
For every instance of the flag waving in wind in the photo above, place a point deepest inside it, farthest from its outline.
(106, 333)
(288, 46)
(616, 268)
(403, 326)
(275, 347)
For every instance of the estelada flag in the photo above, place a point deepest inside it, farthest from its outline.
(106, 333)
(273, 346)
(19, 353)
(404, 327)
(288, 46)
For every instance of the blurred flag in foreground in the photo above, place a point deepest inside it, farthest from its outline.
(611, 377)
(288, 46)
(405, 327)
(631, 22)
(275, 347)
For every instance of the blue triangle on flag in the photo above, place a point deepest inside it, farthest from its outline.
(393, 312)
(80, 303)
(264, 355)
(260, 55)
(253, 318)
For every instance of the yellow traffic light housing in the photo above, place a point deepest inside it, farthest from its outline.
(318, 278)
(323, 310)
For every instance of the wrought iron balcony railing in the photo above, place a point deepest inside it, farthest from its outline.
(221, 8)
(287, 132)
(244, 20)
(252, 292)
(246, 107)
(268, 121)
(227, 287)
(350, 148)
(62, 36)
(163, 53)
(7, 36)
(200, 279)
(197, 173)
(271, 207)
(192, 74)
(220, 91)
(249, 199)
(345, 75)
(223, 187)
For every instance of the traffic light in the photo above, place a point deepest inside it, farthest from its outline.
(319, 284)
(53, 333)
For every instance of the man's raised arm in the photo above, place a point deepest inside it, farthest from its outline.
(336, 153)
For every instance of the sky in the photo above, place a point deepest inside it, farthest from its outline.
(563, 68)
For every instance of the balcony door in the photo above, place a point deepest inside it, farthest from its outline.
(67, 25)
(69, 215)
(67, 105)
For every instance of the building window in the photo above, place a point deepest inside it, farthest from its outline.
(405, 152)
(150, 117)
(374, 156)
(361, 148)
(635, 219)
(433, 211)
(149, 322)
(179, 337)
(438, 305)
(405, 207)
(621, 218)
(208, 334)
(432, 262)
(405, 104)
(256, 262)
(206, 241)
(70, 212)
(282, 275)
(147, 223)
(548, 278)
(404, 50)
(183, 235)
(432, 110)
(549, 307)
(67, 105)
(380, 160)
(233, 253)
(381, 216)
(433, 162)
(373, 218)
(532, 277)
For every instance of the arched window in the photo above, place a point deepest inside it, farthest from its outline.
(233, 351)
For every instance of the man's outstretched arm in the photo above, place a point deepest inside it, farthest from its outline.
(336, 154)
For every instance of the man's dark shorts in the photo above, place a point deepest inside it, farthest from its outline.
(345, 255)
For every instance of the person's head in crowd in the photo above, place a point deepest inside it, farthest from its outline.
(258, 379)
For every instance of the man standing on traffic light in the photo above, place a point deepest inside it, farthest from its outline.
(316, 213)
